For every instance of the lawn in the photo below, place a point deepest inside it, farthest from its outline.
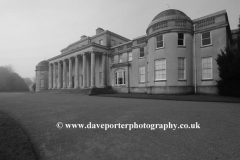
(217, 138)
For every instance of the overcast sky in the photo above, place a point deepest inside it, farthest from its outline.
(35, 30)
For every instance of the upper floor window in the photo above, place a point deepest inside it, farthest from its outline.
(181, 39)
(206, 39)
(120, 58)
(207, 68)
(100, 61)
(101, 42)
(130, 56)
(141, 53)
(113, 42)
(160, 69)
(42, 73)
(159, 41)
(142, 74)
(181, 68)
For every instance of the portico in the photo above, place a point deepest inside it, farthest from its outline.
(77, 70)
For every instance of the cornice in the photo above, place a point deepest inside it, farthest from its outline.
(169, 30)
(215, 26)
(116, 65)
(79, 49)
(122, 51)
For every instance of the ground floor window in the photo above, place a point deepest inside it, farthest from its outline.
(120, 78)
(142, 74)
(100, 77)
(160, 69)
(207, 68)
(181, 68)
(42, 83)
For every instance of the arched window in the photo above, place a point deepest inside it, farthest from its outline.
(120, 77)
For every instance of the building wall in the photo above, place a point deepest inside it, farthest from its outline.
(219, 42)
(171, 52)
(39, 78)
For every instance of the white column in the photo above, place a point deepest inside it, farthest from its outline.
(92, 69)
(84, 71)
(76, 79)
(70, 73)
(50, 77)
(54, 75)
(59, 75)
(64, 74)
(103, 69)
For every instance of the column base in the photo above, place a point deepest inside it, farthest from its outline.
(64, 87)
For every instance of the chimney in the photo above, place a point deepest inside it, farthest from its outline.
(83, 36)
(99, 30)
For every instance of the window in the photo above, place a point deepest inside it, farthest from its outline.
(142, 74)
(120, 78)
(42, 83)
(100, 61)
(181, 39)
(100, 77)
(130, 56)
(112, 42)
(206, 39)
(207, 68)
(160, 69)
(101, 42)
(159, 41)
(148, 70)
(120, 58)
(42, 73)
(141, 53)
(181, 68)
(112, 60)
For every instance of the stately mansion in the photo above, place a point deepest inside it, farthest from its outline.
(176, 55)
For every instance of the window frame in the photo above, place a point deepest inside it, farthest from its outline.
(116, 78)
(159, 41)
(120, 58)
(155, 77)
(101, 41)
(113, 42)
(130, 56)
(206, 38)
(142, 74)
(207, 68)
(141, 52)
(100, 77)
(184, 60)
(181, 39)
(41, 83)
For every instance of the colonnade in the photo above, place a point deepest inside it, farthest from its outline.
(56, 69)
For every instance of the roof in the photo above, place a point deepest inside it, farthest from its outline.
(170, 12)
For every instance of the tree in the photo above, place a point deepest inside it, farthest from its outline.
(11, 81)
(229, 72)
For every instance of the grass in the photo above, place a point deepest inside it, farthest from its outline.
(15, 143)
(218, 137)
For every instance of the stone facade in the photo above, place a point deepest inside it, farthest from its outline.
(175, 56)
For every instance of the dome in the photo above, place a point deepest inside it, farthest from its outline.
(43, 65)
(164, 19)
(171, 13)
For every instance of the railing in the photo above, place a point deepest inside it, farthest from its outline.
(180, 23)
(160, 25)
(205, 22)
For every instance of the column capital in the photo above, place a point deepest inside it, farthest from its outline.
(76, 56)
